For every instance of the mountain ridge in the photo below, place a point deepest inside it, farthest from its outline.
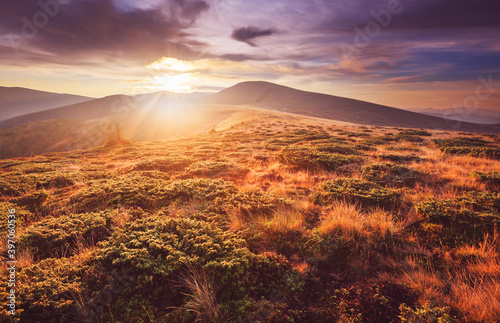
(17, 101)
(286, 99)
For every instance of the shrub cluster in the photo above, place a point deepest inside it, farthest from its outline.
(156, 250)
(216, 169)
(301, 158)
(59, 235)
(165, 164)
(147, 193)
(368, 194)
(475, 147)
(465, 219)
(390, 174)
(491, 179)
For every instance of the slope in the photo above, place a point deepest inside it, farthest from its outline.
(280, 98)
(16, 101)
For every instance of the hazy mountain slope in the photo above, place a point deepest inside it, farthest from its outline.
(55, 135)
(285, 99)
(16, 101)
(111, 105)
(93, 109)
(485, 116)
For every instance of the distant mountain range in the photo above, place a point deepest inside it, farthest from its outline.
(16, 101)
(484, 116)
(84, 122)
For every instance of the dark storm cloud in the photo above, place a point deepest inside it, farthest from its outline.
(413, 15)
(99, 28)
(448, 14)
(248, 34)
(440, 40)
(192, 9)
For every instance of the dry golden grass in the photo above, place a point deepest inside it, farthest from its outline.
(351, 221)
(283, 220)
(202, 295)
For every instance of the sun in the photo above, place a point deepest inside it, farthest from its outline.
(173, 83)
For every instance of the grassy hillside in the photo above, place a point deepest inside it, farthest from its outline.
(265, 219)
(285, 99)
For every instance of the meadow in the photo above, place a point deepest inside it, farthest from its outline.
(270, 220)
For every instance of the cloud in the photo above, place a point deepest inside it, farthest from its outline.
(248, 34)
(82, 29)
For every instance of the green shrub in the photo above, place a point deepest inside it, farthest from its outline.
(400, 158)
(254, 202)
(475, 147)
(491, 179)
(337, 149)
(482, 152)
(402, 148)
(416, 132)
(367, 194)
(165, 164)
(301, 158)
(156, 250)
(55, 236)
(216, 169)
(34, 202)
(390, 174)
(409, 138)
(47, 290)
(16, 184)
(147, 193)
(382, 140)
(461, 220)
(311, 135)
(426, 314)
(23, 217)
(55, 180)
(461, 142)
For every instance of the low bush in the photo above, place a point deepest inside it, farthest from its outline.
(400, 158)
(461, 142)
(166, 164)
(147, 193)
(390, 174)
(301, 158)
(458, 221)
(216, 169)
(23, 217)
(416, 132)
(368, 194)
(48, 290)
(426, 314)
(34, 202)
(337, 149)
(253, 202)
(57, 236)
(155, 251)
(491, 179)
(481, 152)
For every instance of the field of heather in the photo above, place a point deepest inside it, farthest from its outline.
(273, 220)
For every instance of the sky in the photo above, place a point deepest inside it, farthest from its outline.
(407, 54)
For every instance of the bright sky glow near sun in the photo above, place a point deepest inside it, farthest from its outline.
(406, 54)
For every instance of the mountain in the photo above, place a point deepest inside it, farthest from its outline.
(88, 124)
(280, 98)
(93, 109)
(165, 115)
(16, 101)
(159, 102)
(484, 116)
